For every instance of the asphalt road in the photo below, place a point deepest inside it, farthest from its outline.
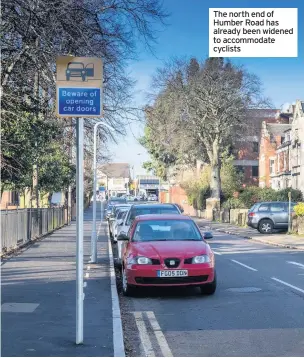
(258, 309)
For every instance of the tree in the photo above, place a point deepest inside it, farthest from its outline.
(231, 180)
(35, 32)
(162, 157)
(207, 106)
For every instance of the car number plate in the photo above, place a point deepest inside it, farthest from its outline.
(172, 273)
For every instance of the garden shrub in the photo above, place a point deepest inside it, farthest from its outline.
(234, 203)
(299, 210)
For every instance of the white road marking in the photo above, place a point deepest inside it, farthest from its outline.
(144, 335)
(118, 341)
(239, 263)
(288, 284)
(166, 351)
(296, 263)
(216, 253)
(18, 307)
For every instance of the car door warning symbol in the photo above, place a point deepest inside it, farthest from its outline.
(78, 69)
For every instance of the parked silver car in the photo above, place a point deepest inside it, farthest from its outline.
(267, 216)
(114, 216)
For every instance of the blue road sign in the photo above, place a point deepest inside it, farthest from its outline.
(82, 101)
(102, 188)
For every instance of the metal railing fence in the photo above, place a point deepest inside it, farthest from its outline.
(23, 225)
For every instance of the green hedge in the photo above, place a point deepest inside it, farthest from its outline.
(251, 195)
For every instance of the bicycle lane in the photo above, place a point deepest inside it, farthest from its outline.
(39, 298)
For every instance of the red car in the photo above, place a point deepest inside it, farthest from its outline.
(166, 250)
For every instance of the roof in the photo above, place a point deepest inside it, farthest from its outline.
(278, 129)
(122, 205)
(273, 202)
(115, 170)
(153, 206)
(162, 217)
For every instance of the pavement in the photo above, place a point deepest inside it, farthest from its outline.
(257, 309)
(39, 298)
(281, 239)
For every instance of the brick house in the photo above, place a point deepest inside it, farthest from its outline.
(275, 151)
(246, 150)
(297, 136)
(281, 161)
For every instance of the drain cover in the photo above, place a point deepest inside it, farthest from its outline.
(244, 289)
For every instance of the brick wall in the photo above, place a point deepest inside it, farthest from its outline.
(178, 195)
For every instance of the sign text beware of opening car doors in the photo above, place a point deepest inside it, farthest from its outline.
(79, 87)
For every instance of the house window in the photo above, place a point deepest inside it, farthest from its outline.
(298, 155)
(255, 147)
(14, 198)
(271, 167)
(278, 163)
(255, 171)
(240, 169)
(296, 135)
(296, 182)
(285, 161)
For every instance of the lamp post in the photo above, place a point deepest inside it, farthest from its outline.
(94, 233)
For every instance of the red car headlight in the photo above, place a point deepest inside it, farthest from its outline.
(141, 260)
(202, 259)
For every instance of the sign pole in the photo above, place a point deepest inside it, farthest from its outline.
(159, 189)
(289, 212)
(94, 234)
(79, 236)
(78, 94)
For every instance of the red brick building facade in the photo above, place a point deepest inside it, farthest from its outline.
(247, 150)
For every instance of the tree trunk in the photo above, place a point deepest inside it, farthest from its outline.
(215, 182)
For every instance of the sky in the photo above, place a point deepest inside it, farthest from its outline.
(186, 35)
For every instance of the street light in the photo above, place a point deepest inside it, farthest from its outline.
(94, 233)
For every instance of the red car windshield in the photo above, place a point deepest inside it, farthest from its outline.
(166, 230)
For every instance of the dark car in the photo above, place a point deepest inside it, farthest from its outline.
(267, 216)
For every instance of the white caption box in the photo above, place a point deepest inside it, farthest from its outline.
(253, 32)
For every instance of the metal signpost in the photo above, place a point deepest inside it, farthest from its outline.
(289, 212)
(159, 190)
(94, 232)
(79, 85)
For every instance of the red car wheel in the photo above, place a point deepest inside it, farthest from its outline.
(127, 290)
